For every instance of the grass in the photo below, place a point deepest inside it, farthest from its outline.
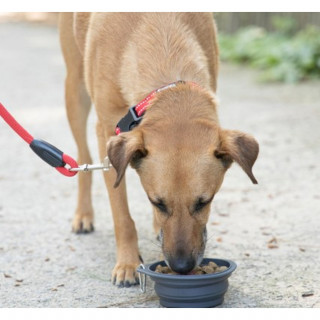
(282, 55)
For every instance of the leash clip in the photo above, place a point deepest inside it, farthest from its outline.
(142, 279)
(105, 166)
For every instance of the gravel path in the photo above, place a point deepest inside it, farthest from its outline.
(42, 264)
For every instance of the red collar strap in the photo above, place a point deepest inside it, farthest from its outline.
(135, 113)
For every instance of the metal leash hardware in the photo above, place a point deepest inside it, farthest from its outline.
(105, 166)
(142, 279)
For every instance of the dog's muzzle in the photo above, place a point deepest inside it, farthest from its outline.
(183, 261)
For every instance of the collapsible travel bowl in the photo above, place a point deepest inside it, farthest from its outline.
(189, 291)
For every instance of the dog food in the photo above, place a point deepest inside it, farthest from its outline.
(211, 267)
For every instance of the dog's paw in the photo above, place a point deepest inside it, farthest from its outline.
(125, 275)
(82, 224)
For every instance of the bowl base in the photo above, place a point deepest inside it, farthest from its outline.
(198, 304)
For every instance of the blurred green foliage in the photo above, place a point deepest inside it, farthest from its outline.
(283, 55)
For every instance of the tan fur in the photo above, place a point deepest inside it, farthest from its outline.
(179, 150)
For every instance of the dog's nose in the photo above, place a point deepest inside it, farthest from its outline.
(182, 265)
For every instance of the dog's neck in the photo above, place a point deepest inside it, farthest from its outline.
(162, 51)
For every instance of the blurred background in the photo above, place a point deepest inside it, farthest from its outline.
(286, 46)
(232, 21)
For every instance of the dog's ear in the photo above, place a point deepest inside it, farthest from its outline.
(124, 148)
(239, 147)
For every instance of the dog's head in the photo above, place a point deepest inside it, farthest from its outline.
(181, 155)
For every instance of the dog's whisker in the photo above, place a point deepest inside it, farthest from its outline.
(156, 244)
(209, 238)
(160, 252)
(211, 246)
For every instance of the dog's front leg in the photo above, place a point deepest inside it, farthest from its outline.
(124, 272)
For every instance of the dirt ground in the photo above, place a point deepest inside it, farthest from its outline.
(271, 230)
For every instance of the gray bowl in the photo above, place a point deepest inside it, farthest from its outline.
(190, 291)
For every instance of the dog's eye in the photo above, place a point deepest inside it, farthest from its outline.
(159, 203)
(201, 203)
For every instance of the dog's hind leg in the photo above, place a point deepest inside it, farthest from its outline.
(78, 106)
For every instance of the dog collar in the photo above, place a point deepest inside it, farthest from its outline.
(135, 113)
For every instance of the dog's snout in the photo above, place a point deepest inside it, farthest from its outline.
(182, 264)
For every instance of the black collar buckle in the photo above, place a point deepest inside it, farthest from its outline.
(129, 121)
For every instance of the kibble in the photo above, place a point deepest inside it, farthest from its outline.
(210, 268)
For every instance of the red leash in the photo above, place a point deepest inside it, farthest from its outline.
(43, 149)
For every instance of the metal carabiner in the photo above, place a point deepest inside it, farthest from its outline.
(105, 166)
(142, 279)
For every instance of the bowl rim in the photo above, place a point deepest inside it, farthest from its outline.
(157, 275)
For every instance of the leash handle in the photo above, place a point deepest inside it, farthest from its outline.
(47, 152)
(11, 121)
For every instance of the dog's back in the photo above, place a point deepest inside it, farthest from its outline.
(105, 37)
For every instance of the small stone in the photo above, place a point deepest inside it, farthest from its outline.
(307, 294)
(272, 246)
(71, 268)
(223, 214)
(273, 240)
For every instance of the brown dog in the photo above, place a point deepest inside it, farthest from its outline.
(179, 150)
